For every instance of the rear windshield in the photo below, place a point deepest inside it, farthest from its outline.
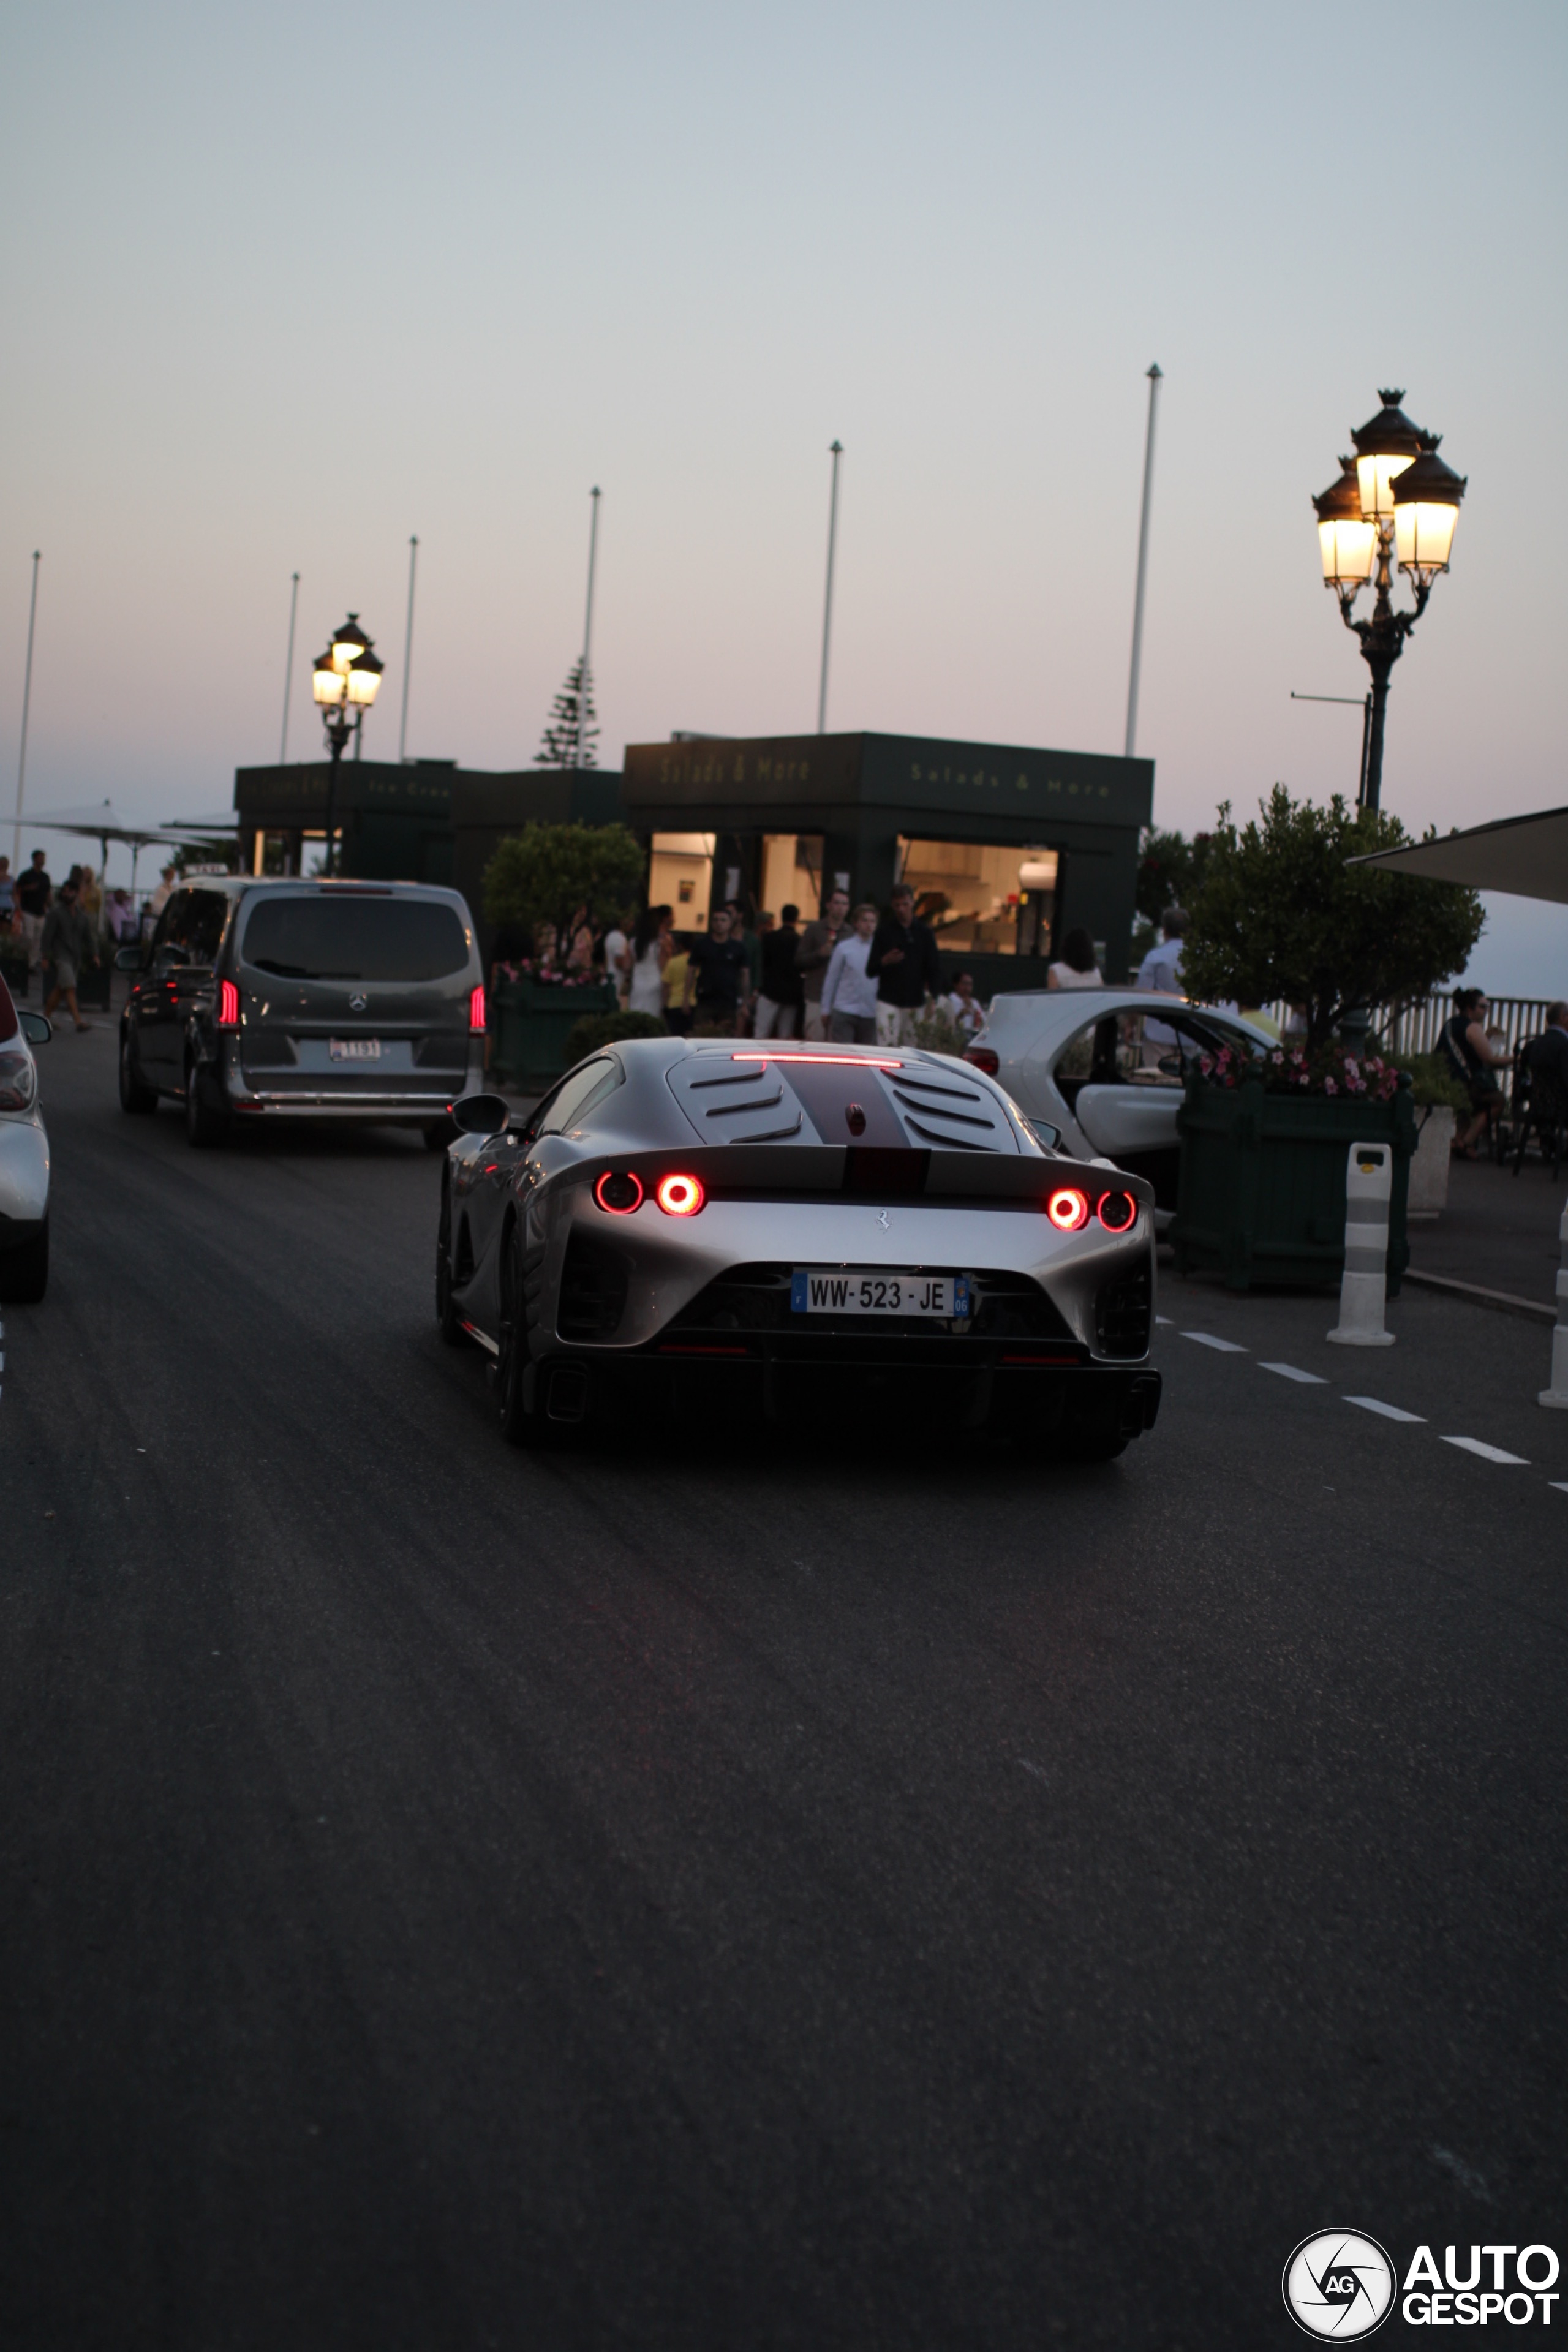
(354, 938)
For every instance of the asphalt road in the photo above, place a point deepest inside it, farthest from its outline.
(730, 1894)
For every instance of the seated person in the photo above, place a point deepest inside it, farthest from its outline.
(1475, 1061)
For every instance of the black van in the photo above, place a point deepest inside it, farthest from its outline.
(304, 1000)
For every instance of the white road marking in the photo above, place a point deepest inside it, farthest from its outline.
(1035, 1768)
(1207, 1339)
(1163, 1318)
(1290, 1372)
(1488, 1452)
(1389, 1412)
(1557, 1487)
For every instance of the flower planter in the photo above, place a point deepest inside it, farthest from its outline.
(1262, 1190)
(1433, 1157)
(532, 1023)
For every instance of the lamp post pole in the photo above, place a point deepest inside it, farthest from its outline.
(1155, 379)
(27, 702)
(407, 654)
(588, 630)
(1396, 503)
(289, 668)
(837, 451)
(347, 676)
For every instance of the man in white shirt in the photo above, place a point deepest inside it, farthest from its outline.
(618, 962)
(848, 998)
(1160, 969)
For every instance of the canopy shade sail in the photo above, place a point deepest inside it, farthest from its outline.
(1525, 855)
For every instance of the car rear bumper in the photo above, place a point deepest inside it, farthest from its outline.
(1031, 1391)
(24, 1178)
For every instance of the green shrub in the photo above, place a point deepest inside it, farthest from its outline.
(599, 1029)
(549, 873)
(1434, 1084)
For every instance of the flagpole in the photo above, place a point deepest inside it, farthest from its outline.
(26, 700)
(407, 654)
(837, 452)
(1155, 379)
(289, 670)
(587, 630)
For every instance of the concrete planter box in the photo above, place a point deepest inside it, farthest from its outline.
(1262, 1192)
(1429, 1168)
(532, 1024)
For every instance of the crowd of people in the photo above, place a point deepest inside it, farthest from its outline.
(853, 975)
(71, 927)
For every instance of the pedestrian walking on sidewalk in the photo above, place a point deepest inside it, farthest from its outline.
(68, 949)
(906, 967)
(848, 993)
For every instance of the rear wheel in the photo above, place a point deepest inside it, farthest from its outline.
(206, 1124)
(24, 1272)
(135, 1094)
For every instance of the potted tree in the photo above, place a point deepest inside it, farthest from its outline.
(1281, 914)
(553, 882)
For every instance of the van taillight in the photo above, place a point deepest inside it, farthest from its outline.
(477, 1009)
(227, 1005)
(983, 1058)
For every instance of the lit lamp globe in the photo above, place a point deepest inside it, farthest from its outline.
(1426, 498)
(347, 644)
(328, 683)
(1346, 542)
(1384, 446)
(363, 679)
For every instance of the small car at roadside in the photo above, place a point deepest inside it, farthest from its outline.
(261, 998)
(24, 1157)
(1107, 1066)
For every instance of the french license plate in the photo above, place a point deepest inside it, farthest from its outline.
(872, 1290)
(354, 1049)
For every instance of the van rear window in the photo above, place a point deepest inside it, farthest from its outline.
(354, 938)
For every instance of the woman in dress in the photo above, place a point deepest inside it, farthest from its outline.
(651, 953)
(1077, 968)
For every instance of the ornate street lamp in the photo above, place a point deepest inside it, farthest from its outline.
(1396, 499)
(345, 678)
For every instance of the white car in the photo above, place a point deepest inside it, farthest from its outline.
(24, 1157)
(1107, 1066)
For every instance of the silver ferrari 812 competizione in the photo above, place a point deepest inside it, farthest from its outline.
(831, 1235)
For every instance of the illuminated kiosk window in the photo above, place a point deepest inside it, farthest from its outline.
(791, 873)
(681, 875)
(980, 897)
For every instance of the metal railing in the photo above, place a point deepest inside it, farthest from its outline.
(1415, 1026)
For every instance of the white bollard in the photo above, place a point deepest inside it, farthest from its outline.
(1369, 1187)
(1557, 1394)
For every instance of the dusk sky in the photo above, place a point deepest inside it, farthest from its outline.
(284, 286)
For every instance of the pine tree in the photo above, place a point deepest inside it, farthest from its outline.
(571, 723)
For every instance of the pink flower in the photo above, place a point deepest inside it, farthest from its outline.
(1329, 1087)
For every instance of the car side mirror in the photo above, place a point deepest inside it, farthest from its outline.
(483, 1115)
(128, 959)
(34, 1028)
(1044, 1132)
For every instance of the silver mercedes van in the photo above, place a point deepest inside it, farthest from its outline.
(289, 999)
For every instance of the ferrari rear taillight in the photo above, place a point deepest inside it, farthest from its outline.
(475, 1009)
(1118, 1211)
(680, 1196)
(983, 1058)
(1067, 1208)
(618, 1192)
(227, 1005)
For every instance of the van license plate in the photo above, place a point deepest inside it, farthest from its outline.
(872, 1290)
(354, 1049)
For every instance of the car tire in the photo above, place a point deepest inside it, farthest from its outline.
(204, 1125)
(523, 1423)
(24, 1272)
(135, 1095)
(446, 1317)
